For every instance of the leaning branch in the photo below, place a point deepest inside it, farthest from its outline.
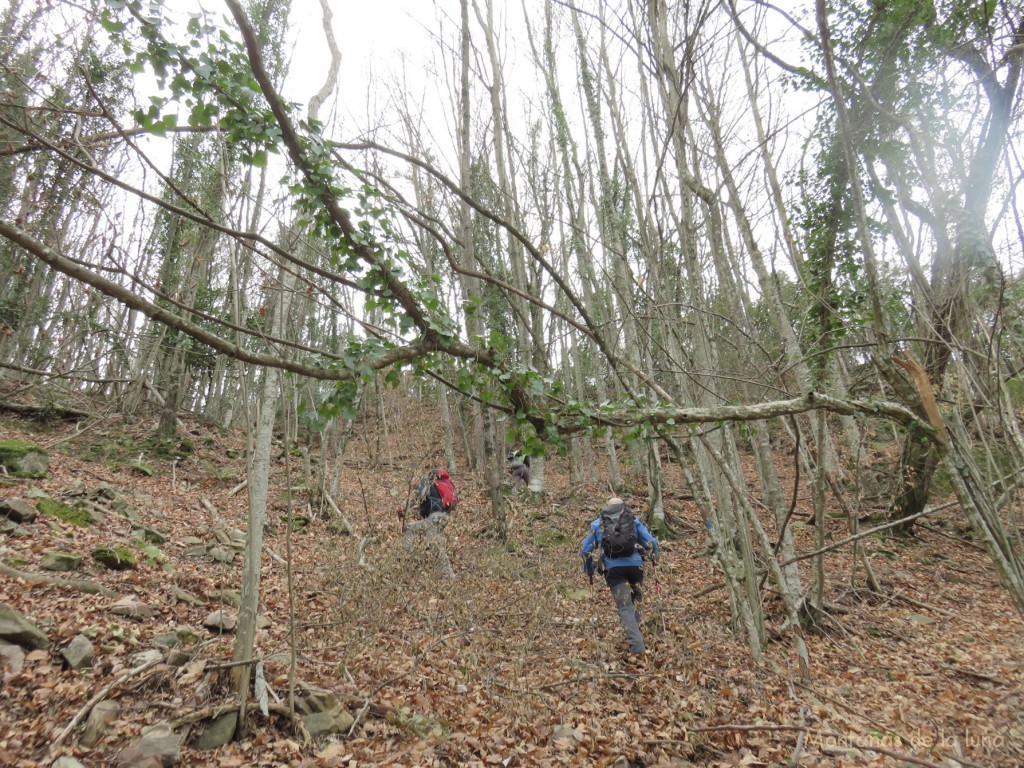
(82, 585)
(812, 401)
(157, 313)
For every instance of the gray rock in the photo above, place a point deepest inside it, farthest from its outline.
(230, 597)
(152, 535)
(218, 733)
(66, 762)
(102, 715)
(18, 510)
(166, 640)
(12, 657)
(144, 657)
(79, 653)
(132, 607)
(325, 723)
(15, 628)
(191, 541)
(222, 555)
(186, 597)
(317, 701)
(196, 550)
(221, 621)
(12, 529)
(129, 514)
(60, 561)
(157, 746)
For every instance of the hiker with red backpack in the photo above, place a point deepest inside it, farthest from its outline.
(519, 468)
(622, 542)
(435, 499)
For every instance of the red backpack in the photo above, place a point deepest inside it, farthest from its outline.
(445, 487)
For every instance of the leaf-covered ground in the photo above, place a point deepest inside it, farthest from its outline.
(517, 662)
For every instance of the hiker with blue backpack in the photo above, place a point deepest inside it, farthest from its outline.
(622, 542)
(434, 500)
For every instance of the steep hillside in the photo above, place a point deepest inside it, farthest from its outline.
(517, 662)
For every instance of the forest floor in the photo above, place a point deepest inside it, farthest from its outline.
(515, 663)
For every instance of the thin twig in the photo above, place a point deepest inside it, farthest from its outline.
(843, 542)
(898, 755)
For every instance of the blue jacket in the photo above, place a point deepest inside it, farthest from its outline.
(592, 543)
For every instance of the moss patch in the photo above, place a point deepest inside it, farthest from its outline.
(73, 515)
(550, 537)
(114, 558)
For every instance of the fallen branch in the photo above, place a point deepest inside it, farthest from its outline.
(587, 678)
(925, 606)
(237, 488)
(206, 713)
(100, 696)
(338, 512)
(976, 675)
(366, 541)
(46, 411)
(213, 712)
(82, 585)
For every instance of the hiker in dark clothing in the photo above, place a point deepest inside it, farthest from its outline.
(622, 542)
(434, 500)
(519, 467)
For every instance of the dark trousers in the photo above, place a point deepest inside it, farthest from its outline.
(626, 584)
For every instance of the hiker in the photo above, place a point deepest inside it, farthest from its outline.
(623, 542)
(519, 466)
(435, 498)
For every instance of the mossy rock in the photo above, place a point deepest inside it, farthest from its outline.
(222, 473)
(143, 468)
(168, 449)
(114, 558)
(181, 637)
(23, 459)
(338, 528)
(72, 515)
(298, 522)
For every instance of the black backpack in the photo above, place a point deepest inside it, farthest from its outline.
(618, 531)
